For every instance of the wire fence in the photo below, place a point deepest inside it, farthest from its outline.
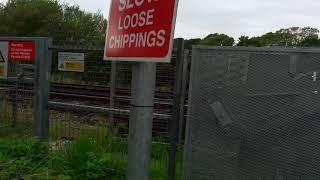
(16, 99)
(253, 114)
(92, 93)
(97, 102)
(90, 96)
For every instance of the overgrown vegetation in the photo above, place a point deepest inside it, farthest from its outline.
(89, 153)
(86, 158)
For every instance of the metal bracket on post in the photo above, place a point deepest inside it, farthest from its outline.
(42, 78)
(141, 117)
(174, 123)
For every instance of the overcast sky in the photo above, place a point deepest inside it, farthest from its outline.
(197, 18)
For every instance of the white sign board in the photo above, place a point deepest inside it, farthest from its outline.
(3, 60)
(72, 62)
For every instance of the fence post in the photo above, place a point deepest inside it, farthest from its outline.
(141, 117)
(184, 85)
(41, 94)
(113, 83)
(174, 123)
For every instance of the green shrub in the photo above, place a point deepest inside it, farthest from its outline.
(85, 158)
(21, 156)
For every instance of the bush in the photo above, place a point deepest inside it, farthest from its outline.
(85, 158)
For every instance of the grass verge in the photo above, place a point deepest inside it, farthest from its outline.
(85, 158)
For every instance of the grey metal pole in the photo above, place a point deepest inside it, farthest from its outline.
(141, 117)
(184, 83)
(112, 93)
(41, 94)
(174, 123)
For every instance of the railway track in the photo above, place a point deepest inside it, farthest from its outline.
(96, 94)
(100, 90)
(100, 96)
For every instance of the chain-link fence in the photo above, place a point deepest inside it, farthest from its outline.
(87, 101)
(16, 99)
(22, 75)
(96, 102)
(89, 98)
(253, 114)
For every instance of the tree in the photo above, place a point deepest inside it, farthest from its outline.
(211, 40)
(217, 40)
(311, 41)
(243, 41)
(294, 36)
(290, 37)
(249, 42)
(50, 19)
(189, 43)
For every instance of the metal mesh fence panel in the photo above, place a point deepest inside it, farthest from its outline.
(78, 88)
(16, 100)
(253, 114)
(95, 105)
(90, 93)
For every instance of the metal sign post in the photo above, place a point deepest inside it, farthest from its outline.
(141, 31)
(141, 116)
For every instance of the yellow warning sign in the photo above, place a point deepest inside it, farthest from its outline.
(2, 70)
(74, 66)
(72, 62)
(1, 57)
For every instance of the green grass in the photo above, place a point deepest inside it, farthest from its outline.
(90, 153)
(85, 158)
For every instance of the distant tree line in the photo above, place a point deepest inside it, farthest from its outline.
(64, 23)
(290, 37)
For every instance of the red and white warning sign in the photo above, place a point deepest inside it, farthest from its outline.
(22, 51)
(140, 30)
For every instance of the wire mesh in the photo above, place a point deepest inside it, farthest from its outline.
(16, 109)
(84, 110)
(90, 88)
(93, 88)
(253, 114)
(86, 105)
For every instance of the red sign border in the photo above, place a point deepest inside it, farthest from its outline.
(166, 59)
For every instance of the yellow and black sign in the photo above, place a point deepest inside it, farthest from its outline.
(73, 62)
(74, 66)
(1, 57)
(2, 70)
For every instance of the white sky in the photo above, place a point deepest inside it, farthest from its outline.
(197, 18)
